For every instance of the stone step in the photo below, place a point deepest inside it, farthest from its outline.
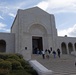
(60, 66)
(64, 74)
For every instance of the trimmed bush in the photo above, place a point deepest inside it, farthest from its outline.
(9, 59)
(4, 71)
(5, 67)
(1, 60)
(19, 72)
(19, 55)
(15, 62)
(13, 56)
(23, 62)
(16, 65)
(28, 67)
(3, 56)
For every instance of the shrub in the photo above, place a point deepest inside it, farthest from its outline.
(13, 56)
(1, 60)
(5, 67)
(4, 71)
(15, 62)
(19, 55)
(3, 56)
(9, 59)
(23, 62)
(28, 67)
(19, 72)
(16, 65)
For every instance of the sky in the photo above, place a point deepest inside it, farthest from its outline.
(63, 10)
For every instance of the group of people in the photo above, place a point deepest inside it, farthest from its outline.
(47, 52)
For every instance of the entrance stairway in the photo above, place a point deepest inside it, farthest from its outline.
(60, 66)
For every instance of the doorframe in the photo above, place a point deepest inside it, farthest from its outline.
(40, 39)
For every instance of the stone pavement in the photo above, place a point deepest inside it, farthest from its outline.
(60, 66)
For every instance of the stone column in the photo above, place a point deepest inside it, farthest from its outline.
(73, 47)
(67, 48)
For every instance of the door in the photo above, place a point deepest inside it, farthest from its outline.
(37, 44)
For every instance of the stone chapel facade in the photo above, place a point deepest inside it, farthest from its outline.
(34, 28)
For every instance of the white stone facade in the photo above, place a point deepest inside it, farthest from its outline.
(36, 28)
(7, 42)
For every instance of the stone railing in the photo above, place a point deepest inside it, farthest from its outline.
(40, 68)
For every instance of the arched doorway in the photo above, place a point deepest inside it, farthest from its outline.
(2, 46)
(37, 44)
(38, 33)
(63, 47)
(70, 47)
(75, 46)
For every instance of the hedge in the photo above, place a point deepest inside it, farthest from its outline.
(15, 62)
(23, 62)
(5, 67)
(1, 60)
(13, 56)
(16, 65)
(19, 55)
(3, 56)
(19, 72)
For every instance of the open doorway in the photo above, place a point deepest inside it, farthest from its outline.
(37, 45)
(2, 46)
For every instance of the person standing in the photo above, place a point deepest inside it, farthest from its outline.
(54, 53)
(58, 51)
(38, 51)
(43, 54)
(47, 54)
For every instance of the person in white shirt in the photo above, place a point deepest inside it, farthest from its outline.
(43, 54)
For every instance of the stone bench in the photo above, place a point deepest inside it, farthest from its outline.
(40, 68)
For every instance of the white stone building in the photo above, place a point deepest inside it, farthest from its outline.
(34, 28)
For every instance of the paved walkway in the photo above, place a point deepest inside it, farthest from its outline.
(60, 66)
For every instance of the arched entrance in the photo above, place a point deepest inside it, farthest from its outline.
(70, 47)
(38, 33)
(37, 44)
(63, 47)
(75, 46)
(2, 46)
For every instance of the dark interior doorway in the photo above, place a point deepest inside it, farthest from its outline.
(2, 46)
(37, 45)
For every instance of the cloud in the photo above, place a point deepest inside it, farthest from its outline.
(43, 5)
(11, 14)
(52, 6)
(1, 18)
(70, 31)
(11, 9)
(3, 27)
(6, 30)
(58, 6)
